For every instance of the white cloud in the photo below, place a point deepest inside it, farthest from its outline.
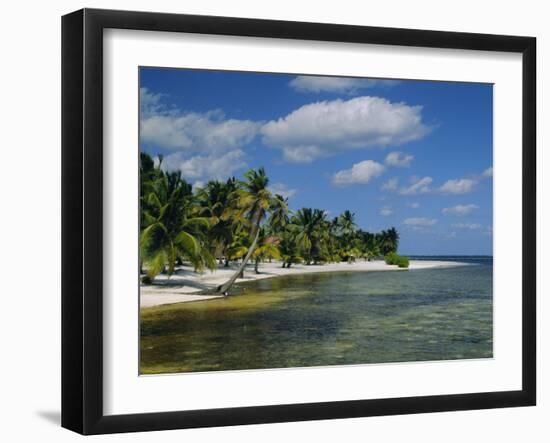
(420, 221)
(150, 103)
(205, 167)
(386, 210)
(170, 128)
(325, 128)
(390, 185)
(459, 209)
(282, 189)
(488, 172)
(413, 205)
(465, 185)
(399, 159)
(302, 154)
(360, 173)
(194, 131)
(458, 186)
(469, 226)
(418, 186)
(346, 85)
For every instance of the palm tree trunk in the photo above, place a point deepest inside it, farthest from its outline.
(227, 285)
(256, 266)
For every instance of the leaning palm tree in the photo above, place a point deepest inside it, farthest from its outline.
(251, 202)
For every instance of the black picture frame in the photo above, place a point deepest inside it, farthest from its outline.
(82, 218)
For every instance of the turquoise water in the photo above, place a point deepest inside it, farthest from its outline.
(327, 319)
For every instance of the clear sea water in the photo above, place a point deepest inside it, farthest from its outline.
(339, 318)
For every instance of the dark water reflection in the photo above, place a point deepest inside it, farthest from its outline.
(327, 319)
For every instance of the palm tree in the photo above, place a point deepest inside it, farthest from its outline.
(388, 241)
(288, 246)
(171, 233)
(278, 218)
(148, 175)
(313, 230)
(238, 248)
(346, 228)
(267, 247)
(332, 243)
(347, 224)
(212, 204)
(250, 202)
(393, 237)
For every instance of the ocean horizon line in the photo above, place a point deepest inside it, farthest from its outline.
(449, 255)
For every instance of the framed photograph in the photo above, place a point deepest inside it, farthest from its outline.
(269, 221)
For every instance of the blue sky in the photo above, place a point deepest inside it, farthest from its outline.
(416, 155)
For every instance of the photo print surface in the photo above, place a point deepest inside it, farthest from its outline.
(292, 221)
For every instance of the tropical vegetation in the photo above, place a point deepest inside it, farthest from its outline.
(394, 259)
(242, 221)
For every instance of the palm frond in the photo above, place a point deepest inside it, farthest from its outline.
(187, 244)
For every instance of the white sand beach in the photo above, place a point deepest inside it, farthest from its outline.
(185, 284)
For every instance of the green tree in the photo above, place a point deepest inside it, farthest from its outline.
(345, 230)
(212, 200)
(347, 225)
(266, 247)
(170, 231)
(288, 246)
(251, 202)
(313, 231)
(388, 241)
(278, 217)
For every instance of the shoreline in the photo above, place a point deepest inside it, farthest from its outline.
(185, 284)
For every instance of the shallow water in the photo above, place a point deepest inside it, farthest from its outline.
(327, 319)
